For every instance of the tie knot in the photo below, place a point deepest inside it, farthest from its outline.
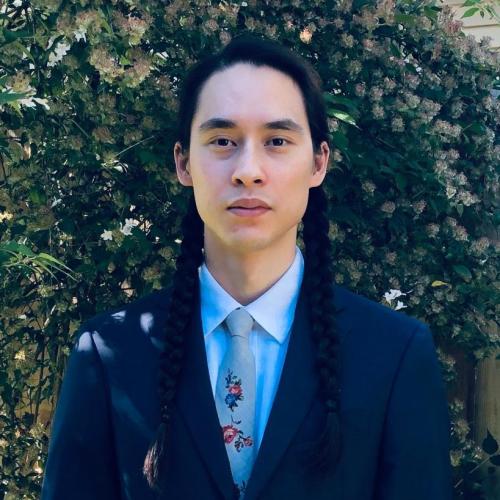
(239, 323)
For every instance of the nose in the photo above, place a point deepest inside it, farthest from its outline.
(248, 166)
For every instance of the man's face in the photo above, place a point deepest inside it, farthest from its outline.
(247, 159)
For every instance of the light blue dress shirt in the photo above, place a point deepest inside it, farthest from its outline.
(273, 313)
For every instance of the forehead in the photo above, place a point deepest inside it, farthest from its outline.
(250, 94)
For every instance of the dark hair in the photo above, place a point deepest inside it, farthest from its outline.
(322, 455)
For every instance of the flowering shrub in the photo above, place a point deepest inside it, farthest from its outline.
(87, 104)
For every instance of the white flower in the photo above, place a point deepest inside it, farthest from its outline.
(127, 228)
(5, 216)
(400, 305)
(107, 235)
(392, 294)
(59, 52)
(80, 34)
(20, 355)
(450, 191)
(42, 102)
(28, 102)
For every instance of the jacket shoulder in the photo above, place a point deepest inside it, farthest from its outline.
(364, 312)
(141, 318)
(154, 302)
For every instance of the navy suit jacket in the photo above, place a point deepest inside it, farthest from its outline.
(394, 413)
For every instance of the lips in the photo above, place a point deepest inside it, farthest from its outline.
(249, 203)
(248, 212)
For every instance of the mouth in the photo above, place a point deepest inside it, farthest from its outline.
(248, 212)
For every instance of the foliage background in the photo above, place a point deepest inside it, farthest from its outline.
(90, 205)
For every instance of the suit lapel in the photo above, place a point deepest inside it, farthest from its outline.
(197, 406)
(296, 390)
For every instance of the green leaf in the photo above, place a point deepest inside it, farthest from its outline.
(339, 139)
(24, 50)
(384, 31)
(17, 248)
(357, 4)
(46, 269)
(401, 182)
(11, 96)
(405, 19)
(38, 197)
(432, 12)
(463, 272)
(342, 100)
(439, 283)
(147, 156)
(345, 214)
(489, 444)
(395, 50)
(105, 23)
(468, 3)
(343, 116)
(11, 36)
(52, 259)
(476, 128)
(470, 12)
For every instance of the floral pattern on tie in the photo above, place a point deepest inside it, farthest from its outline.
(241, 488)
(234, 390)
(232, 434)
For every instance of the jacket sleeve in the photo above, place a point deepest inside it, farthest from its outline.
(81, 463)
(414, 461)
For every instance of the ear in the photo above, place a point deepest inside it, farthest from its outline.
(182, 165)
(320, 165)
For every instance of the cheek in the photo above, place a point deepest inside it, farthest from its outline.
(298, 189)
(296, 183)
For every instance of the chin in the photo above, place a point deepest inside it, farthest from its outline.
(244, 245)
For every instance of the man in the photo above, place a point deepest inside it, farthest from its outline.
(274, 382)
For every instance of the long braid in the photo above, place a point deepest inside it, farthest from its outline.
(318, 275)
(323, 454)
(182, 298)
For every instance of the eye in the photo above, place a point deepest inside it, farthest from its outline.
(279, 139)
(221, 142)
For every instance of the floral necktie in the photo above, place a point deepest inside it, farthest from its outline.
(235, 398)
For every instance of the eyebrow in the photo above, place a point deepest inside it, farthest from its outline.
(284, 124)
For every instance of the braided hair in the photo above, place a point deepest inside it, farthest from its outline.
(323, 454)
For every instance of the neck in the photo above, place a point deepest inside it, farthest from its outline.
(246, 275)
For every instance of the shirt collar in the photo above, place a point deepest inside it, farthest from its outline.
(274, 310)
